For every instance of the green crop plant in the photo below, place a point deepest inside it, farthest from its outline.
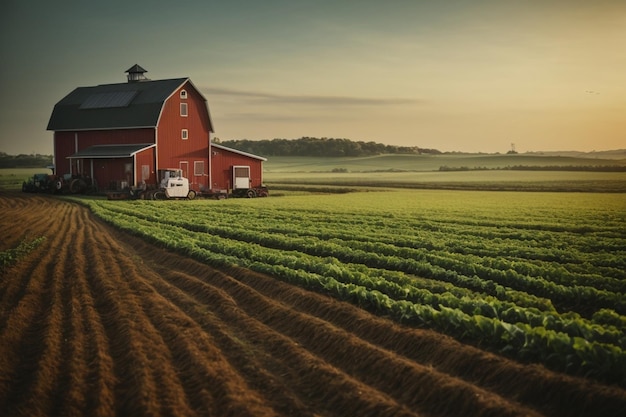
(537, 276)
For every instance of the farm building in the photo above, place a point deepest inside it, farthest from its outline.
(123, 135)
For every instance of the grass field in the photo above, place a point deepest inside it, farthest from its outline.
(422, 171)
(12, 178)
(278, 164)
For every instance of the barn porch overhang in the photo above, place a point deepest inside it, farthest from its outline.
(111, 151)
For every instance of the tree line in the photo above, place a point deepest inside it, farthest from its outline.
(310, 146)
(590, 168)
(24, 160)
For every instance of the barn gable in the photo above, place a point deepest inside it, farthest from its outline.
(129, 105)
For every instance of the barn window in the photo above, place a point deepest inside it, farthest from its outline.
(198, 168)
(184, 134)
(183, 109)
(183, 94)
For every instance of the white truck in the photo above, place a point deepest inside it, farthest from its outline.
(173, 185)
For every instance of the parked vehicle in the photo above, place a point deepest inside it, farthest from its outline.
(173, 185)
(55, 184)
(39, 183)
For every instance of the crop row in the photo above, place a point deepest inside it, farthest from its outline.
(480, 273)
(481, 309)
(11, 256)
(567, 258)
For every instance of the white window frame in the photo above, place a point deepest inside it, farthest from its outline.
(196, 165)
(183, 110)
(183, 94)
(184, 134)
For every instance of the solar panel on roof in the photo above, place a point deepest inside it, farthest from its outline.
(108, 100)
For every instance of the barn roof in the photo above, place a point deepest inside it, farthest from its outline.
(114, 106)
(111, 151)
(249, 155)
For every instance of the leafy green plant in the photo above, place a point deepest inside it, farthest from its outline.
(540, 279)
(10, 257)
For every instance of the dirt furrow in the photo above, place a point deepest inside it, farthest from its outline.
(40, 350)
(37, 223)
(319, 385)
(422, 390)
(193, 351)
(135, 346)
(70, 394)
(17, 280)
(552, 393)
(197, 356)
(267, 380)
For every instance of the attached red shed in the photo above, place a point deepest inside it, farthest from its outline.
(123, 134)
(235, 170)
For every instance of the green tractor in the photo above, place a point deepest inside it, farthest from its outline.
(39, 183)
(59, 184)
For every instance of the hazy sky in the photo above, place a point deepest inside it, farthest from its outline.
(453, 75)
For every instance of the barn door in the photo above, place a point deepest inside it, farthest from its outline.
(241, 177)
(184, 167)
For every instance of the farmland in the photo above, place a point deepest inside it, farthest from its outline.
(370, 303)
(464, 172)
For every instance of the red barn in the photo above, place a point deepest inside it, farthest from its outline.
(122, 134)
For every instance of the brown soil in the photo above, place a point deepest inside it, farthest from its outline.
(96, 322)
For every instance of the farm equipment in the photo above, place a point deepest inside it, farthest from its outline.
(173, 185)
(39, 183)
(74, 184)
(251, 192)
(45, 183)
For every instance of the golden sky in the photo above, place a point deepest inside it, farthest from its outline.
(454, 75)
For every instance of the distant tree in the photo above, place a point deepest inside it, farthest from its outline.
(24, 160)
(310, 146)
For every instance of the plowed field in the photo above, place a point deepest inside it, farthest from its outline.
(95, 322)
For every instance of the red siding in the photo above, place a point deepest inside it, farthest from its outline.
(222, 162)
(146, 157)
(68, 143)
(175, 152)
(110, 172)
(63, 147)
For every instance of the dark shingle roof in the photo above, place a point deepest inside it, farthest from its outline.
(111, 151)
(113, 106)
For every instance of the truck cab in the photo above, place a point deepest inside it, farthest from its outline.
(175, 185)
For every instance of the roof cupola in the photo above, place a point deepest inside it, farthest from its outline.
(136, 74)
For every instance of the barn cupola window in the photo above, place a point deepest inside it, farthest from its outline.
(183, 94)
(136, 74)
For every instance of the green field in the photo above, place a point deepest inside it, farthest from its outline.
(485, 172)
(277, 164)
(481, 171)
(12, 178)
(536, 276)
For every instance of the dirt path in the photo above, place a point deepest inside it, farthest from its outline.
(96, 322)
